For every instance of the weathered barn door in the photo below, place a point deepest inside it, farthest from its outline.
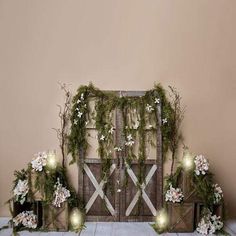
(129, 199)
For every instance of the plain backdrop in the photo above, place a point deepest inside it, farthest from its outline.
(125, 44)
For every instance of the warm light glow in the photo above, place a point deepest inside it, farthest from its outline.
(188, 162)
(162, 219)
(76, 219)
(52, 160)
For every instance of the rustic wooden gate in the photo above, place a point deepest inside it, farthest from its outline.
(129, 202)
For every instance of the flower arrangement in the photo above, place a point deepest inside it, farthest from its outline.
(201, 165)
(60, 195)
(26, 218)
(209, 224)
(21, 190)
(174, 194)
(39, 161)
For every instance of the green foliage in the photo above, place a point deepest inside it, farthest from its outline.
(133, 110)
(46, 180)
(19, 175)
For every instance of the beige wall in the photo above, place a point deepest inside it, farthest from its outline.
(123, 44)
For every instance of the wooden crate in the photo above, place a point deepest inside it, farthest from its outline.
(36, 207)
(217, 210)
(181, 217)
(187, 186)
(18, 208)
(56, 218)
(37, 194)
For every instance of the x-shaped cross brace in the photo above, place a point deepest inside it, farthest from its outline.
(143, 186)
(98, 190)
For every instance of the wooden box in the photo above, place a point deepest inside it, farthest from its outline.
(181, 217)
(187, 186)
(56, 218)
(18, 208)
(37, 194)
(217, 210)
(36, 207)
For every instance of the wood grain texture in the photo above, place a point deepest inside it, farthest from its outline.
(119, 200)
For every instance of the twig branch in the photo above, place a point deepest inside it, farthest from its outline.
(178, 115)
(64, 115)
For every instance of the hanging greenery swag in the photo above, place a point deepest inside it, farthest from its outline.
(139, 115)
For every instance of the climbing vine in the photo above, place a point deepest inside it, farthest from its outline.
(140, 123)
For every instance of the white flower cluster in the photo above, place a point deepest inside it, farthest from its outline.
(79, 112)
(218, 193)
(21, 190)
(27, 218)
(209, 224)
(39, 161)
(174, 195)
(60, 194)
(149, 108)
(130, 141)
(81, 98)
(201, 165)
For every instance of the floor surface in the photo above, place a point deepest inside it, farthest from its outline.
(111, 229)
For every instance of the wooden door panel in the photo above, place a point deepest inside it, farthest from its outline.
(119, 204)
(135, 208)
(100, 204)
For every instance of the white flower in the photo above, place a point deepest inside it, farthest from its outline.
(130, 141)
(150, 126)
(102, 137)
(82, 96)
(157, 100)
(149, 108)
(79, 114)
(218, 193)
(78, 101)
(21, 190)
(174, 195)
(27, 218)
(118, 149)
(39, 161)
(60, 194)
(203, 226)
(201, 165)
(75, 122)
(164, 121)
(111, 130)
(209, 224)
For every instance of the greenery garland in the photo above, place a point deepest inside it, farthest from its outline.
(137, 113)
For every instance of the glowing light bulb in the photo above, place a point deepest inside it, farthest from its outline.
(187, 162)
(162, 219)
(52, 160)
(76, 219)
